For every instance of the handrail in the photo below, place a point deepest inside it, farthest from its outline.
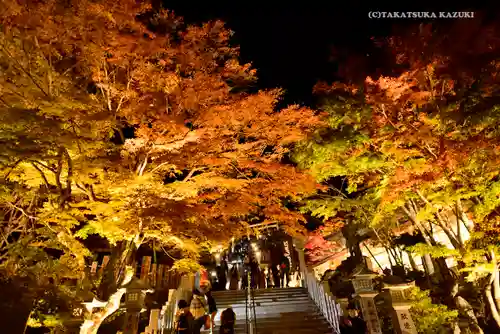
(247, 317)
(324, 301)
(251, 316)
(254, 312)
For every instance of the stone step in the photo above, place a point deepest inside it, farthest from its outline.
(278, 321)
(263, 298)
(278, 324)
(264, 302)
(296, 331)
(266, 296)
(289, 317)
(270, 309)
(313, 315)
(314, 328)
(278, 311)
(273, 310)
(259, 291)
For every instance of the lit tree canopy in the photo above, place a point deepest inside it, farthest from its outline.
(204, 158)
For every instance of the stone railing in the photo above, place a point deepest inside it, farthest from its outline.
(167, 314)
(324, 300)
(168, 311)
(322, 297)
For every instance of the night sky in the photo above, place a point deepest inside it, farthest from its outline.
(291, 45)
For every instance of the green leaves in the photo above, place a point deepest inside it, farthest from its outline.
(430, 318)
(186, 266)
(440, 251)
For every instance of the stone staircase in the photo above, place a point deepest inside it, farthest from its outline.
(278, 311)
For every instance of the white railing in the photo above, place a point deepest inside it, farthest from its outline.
(324, 300)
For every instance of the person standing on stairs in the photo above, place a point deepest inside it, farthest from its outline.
(224, 273)
(269, 277)
(254, 274)
(276, 275)
(285, 271)
(234, 279)
(262, 278)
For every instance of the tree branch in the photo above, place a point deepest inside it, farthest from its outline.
(191, 172)
(449, 233)
(69, 175)
(42, 174)
(21, 210)
(53, 170)
(25, 71)
(12, 168)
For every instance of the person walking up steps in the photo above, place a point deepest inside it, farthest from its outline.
(199, 310)
(212, 307)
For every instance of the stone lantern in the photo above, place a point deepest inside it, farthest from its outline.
(403, 323)
(135, 295)
(363, 286)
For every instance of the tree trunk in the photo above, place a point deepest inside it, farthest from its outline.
(428, 264)
(91, 326)
(412, 262)
(496, 280)
(123, 273)
(491, 302)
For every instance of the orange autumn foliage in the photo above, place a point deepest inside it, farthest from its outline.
(183, 91)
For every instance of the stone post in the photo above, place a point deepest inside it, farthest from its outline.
(363, 286)
(402, 321)
(184, 291)
(154, 321)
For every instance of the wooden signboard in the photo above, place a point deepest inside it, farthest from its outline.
(146, 265)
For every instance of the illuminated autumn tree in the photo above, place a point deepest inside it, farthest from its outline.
(422, 145)
(205, 155)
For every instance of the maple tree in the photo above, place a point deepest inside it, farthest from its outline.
(318, 247)
(421, 146)
(76, 74)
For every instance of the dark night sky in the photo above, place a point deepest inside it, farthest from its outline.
(290, 45)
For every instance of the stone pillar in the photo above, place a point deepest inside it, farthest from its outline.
(131, 322)
(363, 286)
(185, 289)
(343, 302)
(402, 321)
(299, 247)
